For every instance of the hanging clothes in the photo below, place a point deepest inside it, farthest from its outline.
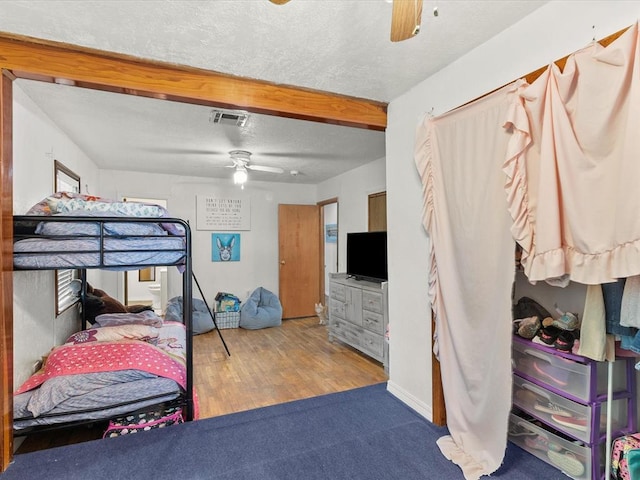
(595, 343)
(630, 307)
(459, 157)
(573, 167)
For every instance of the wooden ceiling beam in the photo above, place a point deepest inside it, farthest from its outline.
(43, 60)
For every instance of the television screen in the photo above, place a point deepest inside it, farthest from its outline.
(367, 255)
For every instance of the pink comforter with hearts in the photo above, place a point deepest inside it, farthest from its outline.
(107, 356)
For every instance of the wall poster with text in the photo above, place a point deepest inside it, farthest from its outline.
(223, 213)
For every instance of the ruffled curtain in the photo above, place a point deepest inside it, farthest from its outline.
(571, 141)
(460, 158)
(573, 167)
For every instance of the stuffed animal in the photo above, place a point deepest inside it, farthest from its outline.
(98, 302)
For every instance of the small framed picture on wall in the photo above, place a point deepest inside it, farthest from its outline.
(225, 247)
(331, 233)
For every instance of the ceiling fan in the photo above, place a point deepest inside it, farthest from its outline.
(405, 18)
(241, 159)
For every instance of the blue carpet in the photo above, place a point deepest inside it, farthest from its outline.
(361, 434)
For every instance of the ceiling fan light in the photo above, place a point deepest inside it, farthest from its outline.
(240, 176)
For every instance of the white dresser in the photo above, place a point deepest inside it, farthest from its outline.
(358, 315)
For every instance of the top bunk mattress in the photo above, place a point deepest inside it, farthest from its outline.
(78, 231)
(111, 253)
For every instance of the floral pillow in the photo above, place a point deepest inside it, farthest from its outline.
(145, 333)
(66, 202)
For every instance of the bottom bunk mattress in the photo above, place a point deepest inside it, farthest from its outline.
(117, 254)
(105, 372)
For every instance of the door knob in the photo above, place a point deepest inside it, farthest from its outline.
(281, 262)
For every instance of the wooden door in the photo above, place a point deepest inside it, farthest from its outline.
(378, 212)
(299, 257)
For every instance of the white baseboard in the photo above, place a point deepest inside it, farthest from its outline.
(411, 401)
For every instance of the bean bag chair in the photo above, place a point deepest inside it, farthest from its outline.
(201, 318)
(261, 310)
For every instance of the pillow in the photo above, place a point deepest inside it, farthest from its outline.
(133, 209)
(48, 205)
(145, 333)
(147, 317)
(67, 202)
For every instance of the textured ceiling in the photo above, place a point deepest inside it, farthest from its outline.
(339, 46)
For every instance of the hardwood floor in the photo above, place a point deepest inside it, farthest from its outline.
(266, 367)
(275, 365)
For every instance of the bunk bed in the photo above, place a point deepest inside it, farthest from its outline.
(88, 389)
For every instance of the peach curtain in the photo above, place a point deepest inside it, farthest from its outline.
(573, 167)
(460, 157)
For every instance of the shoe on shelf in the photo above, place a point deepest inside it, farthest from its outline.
(564, 341)
(520, 431)
(577, 423)
(525, 397)
(548, 372)
(567, 462)
(547, 321)
(552, 409)
(549, 334)
(566, 321)
(529, 327)
(541, 443)
(537, 340)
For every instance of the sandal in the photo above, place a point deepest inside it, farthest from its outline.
(564, 341)
(549, 334)
(529, 327)
(567, 462)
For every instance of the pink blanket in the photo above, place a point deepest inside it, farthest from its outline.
(97, 357)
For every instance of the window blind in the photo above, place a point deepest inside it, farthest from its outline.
(65, 297)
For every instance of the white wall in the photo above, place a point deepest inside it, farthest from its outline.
(553, 31)
(258, 266)
(37, 142)
(352, 189)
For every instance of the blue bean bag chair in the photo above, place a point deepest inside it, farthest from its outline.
(261, 310)
(201, 318)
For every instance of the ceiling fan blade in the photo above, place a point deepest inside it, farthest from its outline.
(405, 19)
(262, 168)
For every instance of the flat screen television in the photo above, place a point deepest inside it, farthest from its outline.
(367, 256)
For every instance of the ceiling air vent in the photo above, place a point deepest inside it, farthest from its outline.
(228, 117)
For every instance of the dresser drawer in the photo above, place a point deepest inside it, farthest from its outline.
(563, 414)
(564, 375)
(346, 332)
(571, 458)
(373, 321)
(372, 345)
(337, 309)
(338, 291)
(372, 301)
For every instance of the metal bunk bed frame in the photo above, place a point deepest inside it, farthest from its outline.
(187, 275)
